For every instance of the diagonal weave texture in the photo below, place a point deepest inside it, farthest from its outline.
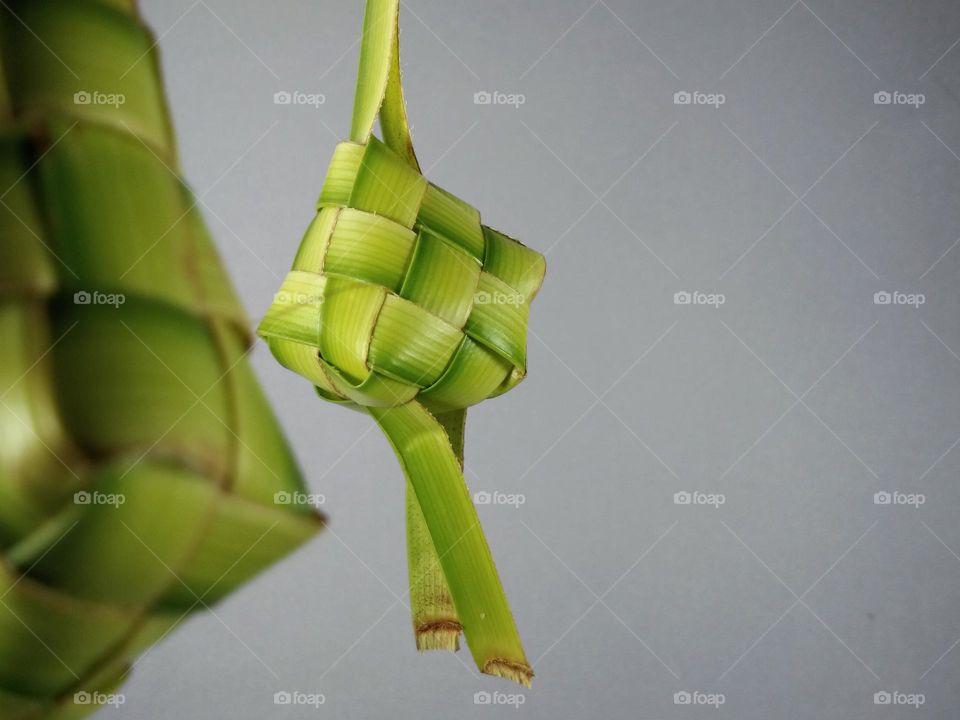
(442, 301)
(140, 463)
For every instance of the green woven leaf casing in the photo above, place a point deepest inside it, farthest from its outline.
(402, 303)
(398, 292)
(142, 473)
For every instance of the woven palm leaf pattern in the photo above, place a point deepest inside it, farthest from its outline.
(441, 301)
(142, 474)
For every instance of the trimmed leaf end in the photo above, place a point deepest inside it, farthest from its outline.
(520, 673)
(439, 635)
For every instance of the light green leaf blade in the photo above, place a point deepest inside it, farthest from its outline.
(431, 466)
(376, 47)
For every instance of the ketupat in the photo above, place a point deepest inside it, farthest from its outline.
(401, 304)
(140, 466)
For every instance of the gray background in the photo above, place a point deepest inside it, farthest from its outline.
(798, 399)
